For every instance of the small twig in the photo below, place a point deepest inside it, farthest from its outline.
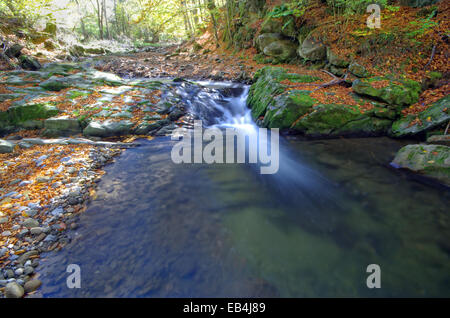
(446, 129)
(433, 51)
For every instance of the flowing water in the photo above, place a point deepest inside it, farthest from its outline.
(158, 229)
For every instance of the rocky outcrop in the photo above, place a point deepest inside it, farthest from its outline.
(429, 160)
(435, 115)
(274, 106)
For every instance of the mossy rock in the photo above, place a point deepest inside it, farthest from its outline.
(435, 115)
(340, 120)
(358, 70)
(61, 126)
(430, 160)
(398, 92)
(281, 51)
(55, 84)
(21, 113)
(336, 60)
(287, 108)
(29, 63)
(268, 90)
(284, 26)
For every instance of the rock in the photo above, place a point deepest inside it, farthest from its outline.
(96, 50)
(340, 120)
(36, 230)
(18, 271)
(335, 60)
(267, 85)
(108, 128)
(77, 50)
(30, 223)
(432, 80)
(6, 233)
(312, 49)
(61, 126)
(430, 160)
(56, 83)
(397, 92)
(22, 113)
(145, 127)
(42, 179)
(285, 26)
(437, 139)
(14, 290)
(25, 256)
(28, 270)
(263, 40)
(29, 63)
(14, 50)
(435, 115)
(6, 147)
(287, 108)
(282, 50)
(338, 71)
(358, 70)
(32, 285)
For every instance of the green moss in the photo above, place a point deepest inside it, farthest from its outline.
(23, 113)
(287, 108)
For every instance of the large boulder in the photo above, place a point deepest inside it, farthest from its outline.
(108, 128)
(340, 120)
(281, 51)
(22, 113)
(287, 108)
(312, 49)
(429, 160)
(263, 40)
(29, 63)
(435, 115)
(14, 50)
(61, 126)
(267, 86)
(397, 92)
(56, 83)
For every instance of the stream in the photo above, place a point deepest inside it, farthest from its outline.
(160, 229)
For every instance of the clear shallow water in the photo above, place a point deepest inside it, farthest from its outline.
(158, 229)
